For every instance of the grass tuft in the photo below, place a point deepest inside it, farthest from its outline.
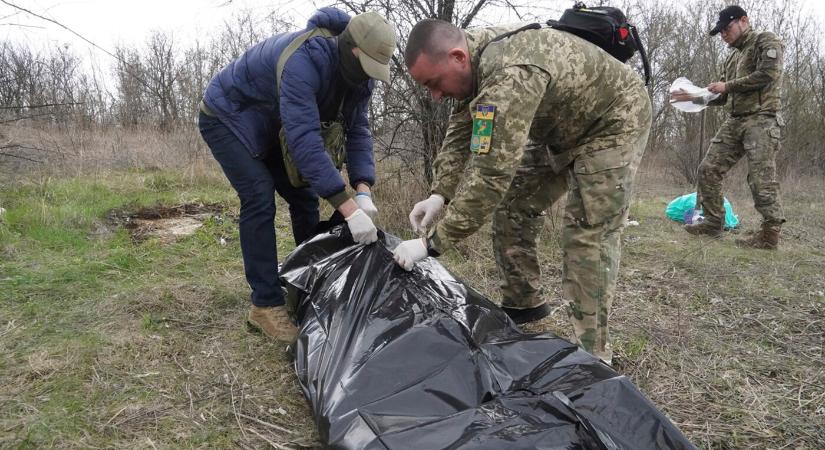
(116, 342)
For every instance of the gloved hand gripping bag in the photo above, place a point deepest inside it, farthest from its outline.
(390, 359)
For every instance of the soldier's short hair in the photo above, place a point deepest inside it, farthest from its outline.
(432, 37)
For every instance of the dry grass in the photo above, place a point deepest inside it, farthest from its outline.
(83, 151)
(109, 342)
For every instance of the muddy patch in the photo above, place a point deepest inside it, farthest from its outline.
(165, 223)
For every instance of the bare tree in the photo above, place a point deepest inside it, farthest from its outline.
(410, 125)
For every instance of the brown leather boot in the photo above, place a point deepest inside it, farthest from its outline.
(705, 227)
(273, 321)
(766, 238)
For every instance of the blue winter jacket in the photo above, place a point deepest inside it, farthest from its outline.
(243, 96)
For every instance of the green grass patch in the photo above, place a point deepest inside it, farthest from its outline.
(110, 340)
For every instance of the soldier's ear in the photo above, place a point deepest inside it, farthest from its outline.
(458, 55)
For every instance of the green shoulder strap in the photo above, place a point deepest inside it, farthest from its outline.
(290, 49)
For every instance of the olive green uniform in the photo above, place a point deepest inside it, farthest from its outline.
(752, 74)
(587, 117)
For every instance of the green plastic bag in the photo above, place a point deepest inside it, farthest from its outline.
(681, 209)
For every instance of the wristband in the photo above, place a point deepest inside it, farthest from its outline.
(430, 250)
(365, 194)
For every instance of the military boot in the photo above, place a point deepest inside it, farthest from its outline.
(522, 316)
(273, 321)
(706, 227)
(766, 238)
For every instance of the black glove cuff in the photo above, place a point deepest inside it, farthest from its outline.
(430, 250)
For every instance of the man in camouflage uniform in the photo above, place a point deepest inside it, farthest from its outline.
(750, 89)
(586, 117)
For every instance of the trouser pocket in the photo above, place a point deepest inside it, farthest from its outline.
(604, 182)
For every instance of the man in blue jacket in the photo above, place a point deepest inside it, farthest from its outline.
(284, 124)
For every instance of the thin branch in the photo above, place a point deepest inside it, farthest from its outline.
(472, 14)
(11, 155)
(45, 105)
(26, 147)
(21, 25)
(143, 82)
(16, 119)
(58, 24)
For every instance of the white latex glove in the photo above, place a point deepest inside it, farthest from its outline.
(424, 212)
(364, 202)
(409, 252)
(361, 227)
(690, 98)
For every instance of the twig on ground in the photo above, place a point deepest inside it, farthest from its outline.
(273, 444)
(232, 392)
(113, 417)
(271, 425)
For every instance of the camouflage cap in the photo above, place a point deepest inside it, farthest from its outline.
(375, 38)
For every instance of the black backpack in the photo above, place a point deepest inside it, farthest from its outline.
(606, 27)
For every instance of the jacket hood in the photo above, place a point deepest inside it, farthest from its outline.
(330, 18)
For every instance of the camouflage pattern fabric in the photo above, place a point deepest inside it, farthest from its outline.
(517, 223)
(576, 103)
(753, 75)
(756, 137)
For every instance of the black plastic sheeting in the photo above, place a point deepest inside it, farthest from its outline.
(395, 359)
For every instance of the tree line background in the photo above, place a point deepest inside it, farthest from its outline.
(155, 87)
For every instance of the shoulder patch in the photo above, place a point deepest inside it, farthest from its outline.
(771, 53)
(482, 129)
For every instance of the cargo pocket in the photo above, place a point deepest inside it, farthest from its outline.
(604, 182)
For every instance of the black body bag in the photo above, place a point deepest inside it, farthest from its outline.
(390, 359)
(606, 27)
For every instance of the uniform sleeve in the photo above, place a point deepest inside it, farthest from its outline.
(722, 99)
(360, 157)
(515, 92)
(768, 65)
(454, 153)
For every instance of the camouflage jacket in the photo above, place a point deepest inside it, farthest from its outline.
(548, 85)
(753, 75)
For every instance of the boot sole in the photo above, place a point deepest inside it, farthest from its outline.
(522, 316)
(252, 327)
(710, 235)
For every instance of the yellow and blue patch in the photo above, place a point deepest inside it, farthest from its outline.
(482, 129)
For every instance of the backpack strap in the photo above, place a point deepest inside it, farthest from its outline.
(532, 26)
(293, 46)
(634, 33)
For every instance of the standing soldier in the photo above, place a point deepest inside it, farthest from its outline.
(750, 88)
(587, 117)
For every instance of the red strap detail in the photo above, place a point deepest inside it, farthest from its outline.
(623, 33)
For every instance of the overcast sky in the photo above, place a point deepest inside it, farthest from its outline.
(110, 22)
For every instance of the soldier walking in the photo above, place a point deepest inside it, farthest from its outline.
(750, 89)
(586, 117)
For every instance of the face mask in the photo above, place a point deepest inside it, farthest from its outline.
(351, 69)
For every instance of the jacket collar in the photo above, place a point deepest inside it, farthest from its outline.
(477, 40)
(745, 38)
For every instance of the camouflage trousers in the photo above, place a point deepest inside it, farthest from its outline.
(758, 138)
(598, 187)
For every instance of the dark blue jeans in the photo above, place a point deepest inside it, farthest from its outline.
(256, 181)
